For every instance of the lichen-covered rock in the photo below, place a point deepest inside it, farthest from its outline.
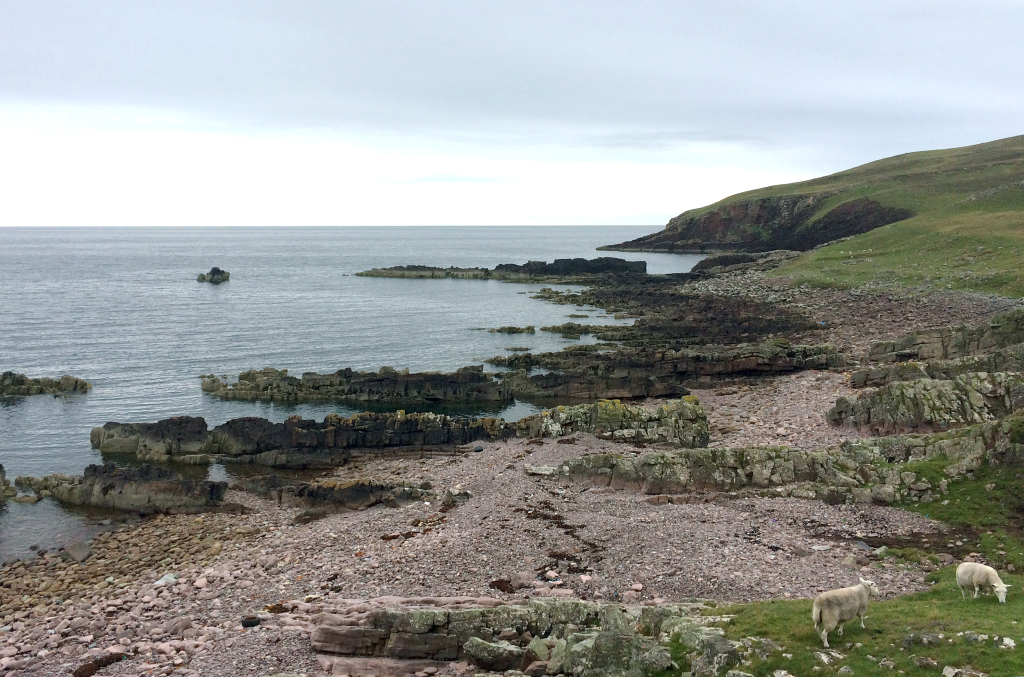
(948, 343)
(12, 384)
(144, 489)
(1008, 359)
(681, 422)
(929, 405)
(466, 385)
(581, 638)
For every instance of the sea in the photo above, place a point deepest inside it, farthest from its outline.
(121, 308)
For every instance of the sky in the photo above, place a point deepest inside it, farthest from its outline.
(475, 112)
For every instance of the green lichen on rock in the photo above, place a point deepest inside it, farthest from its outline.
(930, 405)
(679, 422)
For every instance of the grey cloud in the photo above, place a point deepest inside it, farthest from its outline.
(859, 79)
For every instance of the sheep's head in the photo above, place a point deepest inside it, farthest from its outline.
(1000, 590)
(870, 585)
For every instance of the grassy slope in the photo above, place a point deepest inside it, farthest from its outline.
(995, 513)
(976, 245)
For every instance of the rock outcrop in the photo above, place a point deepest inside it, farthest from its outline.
(295, 443)
(532, 271)
(6, 491)
(466, 386)
(870, 470)
(1007, 359)
(948, 343)
(144, 489)
(12, 384)
(333, 494)
(681, 423)
(795, 222)
(585, 373)
(215, 276)
(930, 405)
(301, 443)
(542, 637)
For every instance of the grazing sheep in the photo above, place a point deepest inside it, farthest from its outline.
(980, 577)
(836, 607)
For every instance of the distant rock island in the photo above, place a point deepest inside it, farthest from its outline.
(215, 276)
(19, 384)
(530, 271)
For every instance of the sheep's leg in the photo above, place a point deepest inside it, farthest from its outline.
(975, 592)
(840, 631)
(862, 621)
(962, 593)
(824, 637)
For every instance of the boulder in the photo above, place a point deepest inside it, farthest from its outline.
(497, 656)
(215, 276)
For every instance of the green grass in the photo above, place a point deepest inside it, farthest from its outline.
(995, 515)
(940, 610)
(952, 242)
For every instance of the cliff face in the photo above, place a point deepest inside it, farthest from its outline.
(782, 222)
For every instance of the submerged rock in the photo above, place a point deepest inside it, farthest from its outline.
(19, 384)
(144, 489)
(530, 271)
(215, 276)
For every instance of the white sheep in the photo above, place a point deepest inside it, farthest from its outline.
(836, 607)
(980, 577)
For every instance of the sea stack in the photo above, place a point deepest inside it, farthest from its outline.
(215, 276)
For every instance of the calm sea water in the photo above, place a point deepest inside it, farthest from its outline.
(121, 309)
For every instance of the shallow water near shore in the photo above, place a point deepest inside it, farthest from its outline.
(122, 309)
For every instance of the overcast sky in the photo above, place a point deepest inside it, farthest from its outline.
(475, 112)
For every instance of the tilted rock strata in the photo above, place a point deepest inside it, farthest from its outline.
(511, 272)
(333, 493)
(582, 373)
(467, 385)
(301, 443)
(145, 489)
(682, 422)
(548, 636)
(864, 471)
(19, 384)
(930, 405)
(947, 343)
(1008, 359)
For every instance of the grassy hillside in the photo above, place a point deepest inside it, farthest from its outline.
(967, 231)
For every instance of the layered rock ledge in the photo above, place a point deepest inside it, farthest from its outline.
(533, 271)
(300, 443)
(541, 637)
(12, 384)
(143, 490)
(466, 385)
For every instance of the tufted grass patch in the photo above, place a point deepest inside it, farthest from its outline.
(937, 611)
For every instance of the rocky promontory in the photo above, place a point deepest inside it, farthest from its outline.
(532, 271)
(12, 384)
(465, 386)
(797, 222)
(144, 489)
(215, 276)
